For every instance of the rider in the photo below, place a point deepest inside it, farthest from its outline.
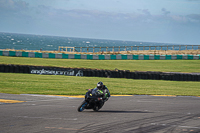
(104, 90)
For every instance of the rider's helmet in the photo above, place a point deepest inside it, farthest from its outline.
(100, 85)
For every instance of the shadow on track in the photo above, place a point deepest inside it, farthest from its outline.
(119, 111)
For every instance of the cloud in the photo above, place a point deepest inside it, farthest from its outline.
(195, 17)
(14, 9)
(165, 12)
(179, 19)
(13, 6)
(193, 0)
(143, 16)
(23, 10)
(144, 11)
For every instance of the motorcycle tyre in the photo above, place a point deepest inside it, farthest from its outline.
(81, 107)
(96, 108)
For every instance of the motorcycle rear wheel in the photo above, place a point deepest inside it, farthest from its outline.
(96, 108)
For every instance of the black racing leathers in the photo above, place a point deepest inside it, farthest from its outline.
(104, 92)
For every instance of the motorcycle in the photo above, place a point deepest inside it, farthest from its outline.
(93, 100)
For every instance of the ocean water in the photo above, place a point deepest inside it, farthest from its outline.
(42, 42)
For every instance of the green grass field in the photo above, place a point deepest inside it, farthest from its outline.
(132, 65)
(70, 85)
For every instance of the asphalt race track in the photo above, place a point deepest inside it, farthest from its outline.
(132, 114)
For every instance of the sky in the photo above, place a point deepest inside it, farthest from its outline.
(165, 21)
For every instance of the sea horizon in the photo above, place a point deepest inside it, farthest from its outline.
(21, 41)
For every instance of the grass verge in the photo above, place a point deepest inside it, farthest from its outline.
(70, 85)
(132, 65)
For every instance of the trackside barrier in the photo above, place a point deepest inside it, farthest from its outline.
(174, 76)
(98, 57)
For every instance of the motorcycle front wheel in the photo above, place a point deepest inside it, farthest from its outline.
(82, 106)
